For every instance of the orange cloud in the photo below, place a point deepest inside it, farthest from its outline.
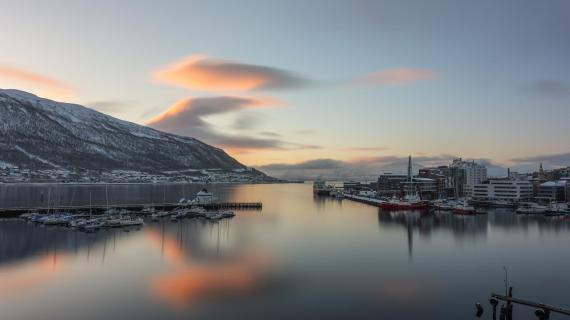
(187, 118)
(47, 86)
(203, 73)
(399, 76)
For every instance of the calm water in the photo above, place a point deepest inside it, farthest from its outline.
(300, 257)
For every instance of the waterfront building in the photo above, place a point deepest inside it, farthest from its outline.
(501, 189)
(390, 184)
(553, 191)
(474, 174)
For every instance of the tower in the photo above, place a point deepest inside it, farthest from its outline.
(410, 168)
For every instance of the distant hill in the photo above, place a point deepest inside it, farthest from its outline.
(38, 134)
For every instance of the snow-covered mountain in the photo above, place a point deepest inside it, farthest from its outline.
(40, 134)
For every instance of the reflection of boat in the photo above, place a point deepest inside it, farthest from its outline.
(464, 208)
(531, 208)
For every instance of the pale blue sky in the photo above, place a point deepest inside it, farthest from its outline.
(502, 89)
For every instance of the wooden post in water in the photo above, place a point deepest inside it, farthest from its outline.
(494, 302)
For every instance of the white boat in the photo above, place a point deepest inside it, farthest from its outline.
(160, 214)
(214, 216)
(464, 208)
(197, 211)
(501, 204)
(148, 210)
(557, 209)
(443, 205)
(531, 208)
(339, 194)
(128, 222)
(227, 214)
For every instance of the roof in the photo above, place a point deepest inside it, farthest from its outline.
(560, 183)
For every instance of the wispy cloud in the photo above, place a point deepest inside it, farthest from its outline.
(204, 73)
(399, 76)
(551, 160)
(549, 88)
(48, 86)
(186, 118)
(359, 167)
(365, 149)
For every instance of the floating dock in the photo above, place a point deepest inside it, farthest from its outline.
(370, 201)
(132, 207)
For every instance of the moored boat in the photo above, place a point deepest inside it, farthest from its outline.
(531, 208)
(464, 208)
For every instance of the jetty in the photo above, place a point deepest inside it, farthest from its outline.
(131, 207)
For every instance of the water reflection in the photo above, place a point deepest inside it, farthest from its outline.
(195, 271)
(300, 257)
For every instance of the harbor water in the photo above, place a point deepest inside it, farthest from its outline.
(300, 257)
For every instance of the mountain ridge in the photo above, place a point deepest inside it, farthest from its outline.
(41, 134)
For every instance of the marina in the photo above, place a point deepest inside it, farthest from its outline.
(177, 264)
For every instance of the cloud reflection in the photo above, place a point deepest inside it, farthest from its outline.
(188, 280)
(20, 278)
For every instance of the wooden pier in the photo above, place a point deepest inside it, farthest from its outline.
(131, 207)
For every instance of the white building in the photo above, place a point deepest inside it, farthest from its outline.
(474, 174)
(204, 197)
(513, 190)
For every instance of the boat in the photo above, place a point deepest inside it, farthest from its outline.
(214, 216)
(92, 226)
(148, 210)
(443, 205)
(129, 222)
(531, 208)
(339, 194)
(160, 214)
(61, 218)
(502, 204)
(557, 209)
(321, 189)
(180, 213)
(411, 202)
(464, 208)
(227, 213)
(197, 211)
(113, 222)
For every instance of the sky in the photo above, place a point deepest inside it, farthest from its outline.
(295, 86)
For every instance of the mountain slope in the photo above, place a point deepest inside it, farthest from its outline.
(38, 133)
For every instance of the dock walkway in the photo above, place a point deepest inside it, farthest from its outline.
(131, 207)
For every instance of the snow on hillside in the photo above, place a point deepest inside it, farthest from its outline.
(37, 133)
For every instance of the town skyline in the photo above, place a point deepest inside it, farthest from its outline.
(389, 80)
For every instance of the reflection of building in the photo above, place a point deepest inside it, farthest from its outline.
(553, 191)
(513, 190)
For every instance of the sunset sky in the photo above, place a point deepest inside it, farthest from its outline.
(295, 85)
